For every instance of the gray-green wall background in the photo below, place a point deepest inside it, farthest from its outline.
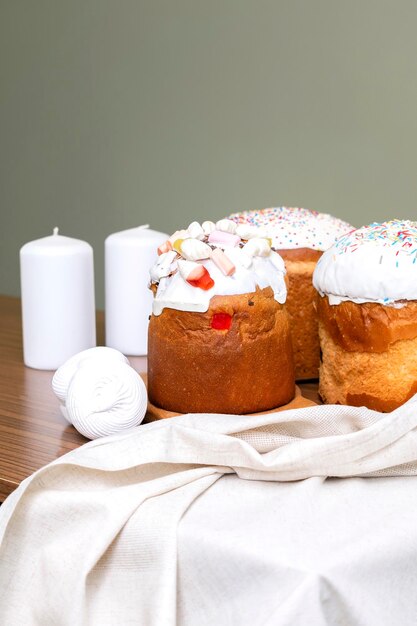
(115, 113)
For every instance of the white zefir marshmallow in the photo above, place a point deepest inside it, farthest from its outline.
(226, 226)
(196, 230)
(257, 247)
(102, 393)
(375, 263)
(208, 227)
(179, 234)
(65, 373)
(245, 231)
(195, 250)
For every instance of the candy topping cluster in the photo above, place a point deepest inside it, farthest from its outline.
(185, 248)
(214, 259)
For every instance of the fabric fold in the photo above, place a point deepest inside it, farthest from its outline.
(92, 537)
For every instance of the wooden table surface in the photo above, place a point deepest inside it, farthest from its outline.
(32, 429)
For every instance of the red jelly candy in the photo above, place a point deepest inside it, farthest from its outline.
(203, 280)
(221, 321)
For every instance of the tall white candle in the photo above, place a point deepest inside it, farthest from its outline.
(58, 311)
(129, 255)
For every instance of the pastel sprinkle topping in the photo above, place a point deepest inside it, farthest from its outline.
(400, 236)
(292, 227)
(375, 263)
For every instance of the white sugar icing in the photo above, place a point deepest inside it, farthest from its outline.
(175, 292)
(375, 263)
(291, 227)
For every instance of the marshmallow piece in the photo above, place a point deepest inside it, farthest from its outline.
(194, 250)
(164, 266)
(165, 247)
(105, 397)
(257, 247)
(196, 231)
(179, 234)
(224, 264)
(246, 231)
(195, 275)
(176, 245)
(65, 373)
(223, 239)
(187, 268)
(208, 227)
(226, 226)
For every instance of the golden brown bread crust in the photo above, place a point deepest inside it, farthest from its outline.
(300, 254)
(368, 327)
(383, 374)
(195, 368)
(301, 304)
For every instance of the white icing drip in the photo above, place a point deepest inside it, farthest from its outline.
(335, 300)
(175, 293)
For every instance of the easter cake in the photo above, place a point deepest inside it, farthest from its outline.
(368, 316)
(219, 337)
(300, 236)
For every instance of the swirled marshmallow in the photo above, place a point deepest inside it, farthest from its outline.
(101, 394)
(64, 374)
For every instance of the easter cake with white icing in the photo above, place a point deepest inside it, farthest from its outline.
(368, 316)
(219, 337)
(300, 236)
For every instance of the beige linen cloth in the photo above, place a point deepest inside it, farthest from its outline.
(195, 521)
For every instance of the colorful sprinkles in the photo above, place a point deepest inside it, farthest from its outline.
(293, 227)
(398, 235)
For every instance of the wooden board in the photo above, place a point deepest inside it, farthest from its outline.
(155, 413)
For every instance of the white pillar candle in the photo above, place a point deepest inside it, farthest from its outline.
(58, 311)
(129, 256)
